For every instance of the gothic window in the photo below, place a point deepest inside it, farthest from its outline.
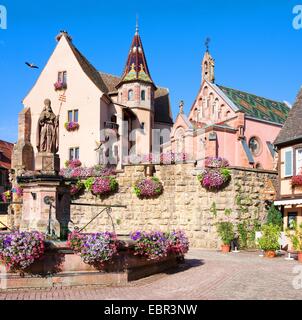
(227, 114)
(205, 91)
(255, 146)
(143, 95)
(130, 95)
(180, 137)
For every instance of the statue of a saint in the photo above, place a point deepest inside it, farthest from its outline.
(48, 130)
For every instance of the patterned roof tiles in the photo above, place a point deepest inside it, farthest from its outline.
(257, 107)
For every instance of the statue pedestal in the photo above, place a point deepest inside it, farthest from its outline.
(46, 205)
(47, 163)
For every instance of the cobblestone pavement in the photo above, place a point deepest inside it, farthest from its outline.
(206, 275)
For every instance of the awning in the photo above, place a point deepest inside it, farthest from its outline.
(288, 202)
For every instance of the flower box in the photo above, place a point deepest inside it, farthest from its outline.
(296, 181)
(60, 86)
(71, 126)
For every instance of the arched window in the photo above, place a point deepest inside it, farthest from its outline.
(130, 95)
(143, 95)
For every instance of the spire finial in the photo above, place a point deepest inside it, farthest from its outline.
(137, 28)
(181, 106)
(207, 43)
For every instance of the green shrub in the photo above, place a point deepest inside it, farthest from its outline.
(295, 236)
(226, 232)
(269, 240)
(243, 234)
(274, 216)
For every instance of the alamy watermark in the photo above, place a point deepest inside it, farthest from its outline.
(297, 21)
(3, 17)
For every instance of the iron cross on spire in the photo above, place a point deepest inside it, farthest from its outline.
(207, 43)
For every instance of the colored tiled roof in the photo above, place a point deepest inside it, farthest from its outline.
(257, 107)
(161, 98)
(136, 68)
(292, 129)
(6, 150)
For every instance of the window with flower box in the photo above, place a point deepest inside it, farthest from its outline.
(61, 83)
(73, 116)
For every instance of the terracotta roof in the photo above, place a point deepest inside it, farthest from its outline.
(6, 150)
(110, 81)
(257, 107)
(292, 129)
(136, 68)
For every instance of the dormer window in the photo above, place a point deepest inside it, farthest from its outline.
(130, 95)
(143, 95)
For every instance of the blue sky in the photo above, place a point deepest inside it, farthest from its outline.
(253, 42)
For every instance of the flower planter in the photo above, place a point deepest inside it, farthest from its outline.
(60, 266)
(225, 248)
(270, 254)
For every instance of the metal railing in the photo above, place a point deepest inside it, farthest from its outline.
(107, 208)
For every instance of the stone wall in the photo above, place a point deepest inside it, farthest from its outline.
(183, 205)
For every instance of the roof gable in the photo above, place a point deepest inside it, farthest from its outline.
(257, 107)
(292, 129)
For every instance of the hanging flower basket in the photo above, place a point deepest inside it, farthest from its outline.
(60, 86)
(71, 126)
(148, 188)
(102, 185)
(73, 164)
(77, 188)
(216, 174)
(94, 249)
(19, 250)
(297, 181)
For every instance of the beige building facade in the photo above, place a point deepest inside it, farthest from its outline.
(101, 116)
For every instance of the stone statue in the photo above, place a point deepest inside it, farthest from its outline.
(48, 130)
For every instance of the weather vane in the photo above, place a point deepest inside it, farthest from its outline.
(207, 43)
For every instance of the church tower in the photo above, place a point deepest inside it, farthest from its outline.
(208, 65)
(136, 91)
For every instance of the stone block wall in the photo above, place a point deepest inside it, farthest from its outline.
(183, 205)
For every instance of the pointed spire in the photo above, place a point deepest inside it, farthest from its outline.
(208, 64)
(136, 68)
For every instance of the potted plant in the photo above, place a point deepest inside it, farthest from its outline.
(269, 241)
(226, 232)
(295, 235)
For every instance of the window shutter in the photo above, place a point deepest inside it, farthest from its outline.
(288, 163)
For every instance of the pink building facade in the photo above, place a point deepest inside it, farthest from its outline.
(228, 123)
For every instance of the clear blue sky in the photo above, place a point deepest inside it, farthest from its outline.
(253, 42)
